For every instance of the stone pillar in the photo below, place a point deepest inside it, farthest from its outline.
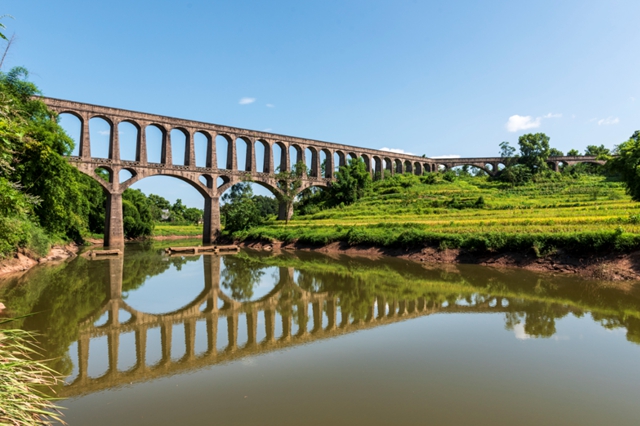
(272, 160)
(331, 314)
(284, 158)
(211, 229)
(317, 316)
(212, 334)
(314, 167)
(212, 159)
(113, 227)
(165, 337)
(190, 149)
(83, 357)
(232, 331)
(115, 278)
(190, 338)
(270, 324)
(382, 307)
(328, 166)
(113, 342)
(303, 317)
(252, 327)
(141, 347)
(114, 143)
(141, 148)
(250, 161)
(166, 158)
(232, 162)
(85, 139)
(284, 212)
(266, 161)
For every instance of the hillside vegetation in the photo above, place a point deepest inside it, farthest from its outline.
(555, 210)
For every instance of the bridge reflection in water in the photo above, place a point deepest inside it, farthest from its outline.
(317, 315)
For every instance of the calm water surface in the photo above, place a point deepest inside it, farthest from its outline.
(306, 339)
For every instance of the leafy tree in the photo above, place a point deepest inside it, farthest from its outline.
(239, 212)
(553, 152)
(573, 153)
(34, 150)
(534, 151)
(137, 217)
(177, 211)
(353, 181)
(193, 215)
(159, 206)
(627, 164)
(267, 206)
(289, 183)
(506, 150)
(597, 151)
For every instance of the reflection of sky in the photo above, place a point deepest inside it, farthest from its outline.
(168, 291)
(265, 284)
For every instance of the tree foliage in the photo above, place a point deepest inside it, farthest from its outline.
(627, 164)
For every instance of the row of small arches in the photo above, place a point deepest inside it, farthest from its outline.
(240, 154)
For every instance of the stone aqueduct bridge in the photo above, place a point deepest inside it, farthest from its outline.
(318, 316)
(211, 181)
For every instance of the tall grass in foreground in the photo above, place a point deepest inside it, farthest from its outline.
(23, 383)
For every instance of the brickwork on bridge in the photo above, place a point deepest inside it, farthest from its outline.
(211, 181)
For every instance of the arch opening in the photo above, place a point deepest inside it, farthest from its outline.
(408, 167)
(154, 137)
(279, 157)
(311, 160)
(202, 149)
(262, 156)
(100, 136)
(223, 143)
(398, 165)
(124, 175)
(72, 126)
(243, 154)
(295, 156)
(128, 135)
(179, 148)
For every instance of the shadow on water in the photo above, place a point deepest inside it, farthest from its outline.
(257, 302)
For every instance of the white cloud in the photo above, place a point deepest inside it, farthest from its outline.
(246, 101)
(519, 122)
(396, 150)
(271, 106)
(268, 129)
(524, 122)
(442, 157)
(518, 330)
(104, 132)
(607, 121)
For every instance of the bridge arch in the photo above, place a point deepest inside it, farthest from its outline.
(262, 149)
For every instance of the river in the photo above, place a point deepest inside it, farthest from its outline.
(299, 338)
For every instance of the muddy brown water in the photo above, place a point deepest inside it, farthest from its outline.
(306, 339)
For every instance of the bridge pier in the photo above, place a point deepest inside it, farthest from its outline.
(114, 226)
(211, 218)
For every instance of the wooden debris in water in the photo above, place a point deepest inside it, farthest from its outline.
(203, 249)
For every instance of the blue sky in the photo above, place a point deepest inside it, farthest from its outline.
(434, 78)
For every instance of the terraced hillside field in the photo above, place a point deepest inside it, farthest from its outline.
(474, 212)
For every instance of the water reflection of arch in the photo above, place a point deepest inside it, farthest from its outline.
(380, 311)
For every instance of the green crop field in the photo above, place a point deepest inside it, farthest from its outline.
(589, 212)
(165, 230)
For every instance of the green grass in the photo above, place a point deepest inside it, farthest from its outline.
(586, 213)
(177, 230)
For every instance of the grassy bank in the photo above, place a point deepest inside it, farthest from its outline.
(164, 230)
(590, 213)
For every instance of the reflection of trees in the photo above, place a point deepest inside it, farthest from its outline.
(240, 276)
(142, 263)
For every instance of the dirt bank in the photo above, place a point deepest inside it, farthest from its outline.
(24, 259)
(611, 267)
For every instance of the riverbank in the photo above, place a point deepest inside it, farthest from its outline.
(608, 267)
(24, 260)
